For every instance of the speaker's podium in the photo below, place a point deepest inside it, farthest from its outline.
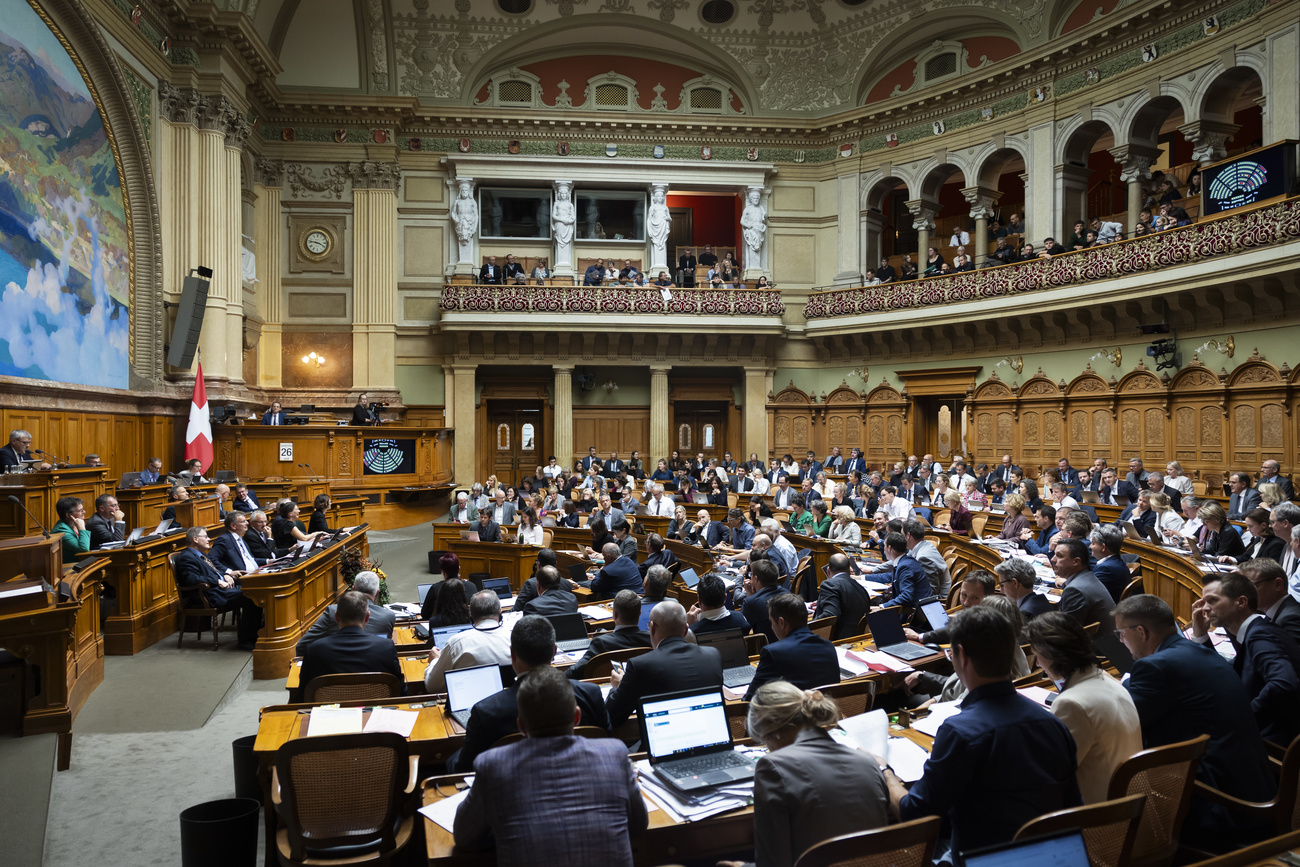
(198, 512)
(37, 557)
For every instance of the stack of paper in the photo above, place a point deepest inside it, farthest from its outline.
(595, 612)
(443, 813)
(878, 661)
(691, 808)
(390, 719)
(870, 732)
(334, 721)
(939, 711)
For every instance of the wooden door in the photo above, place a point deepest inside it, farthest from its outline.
(681, 234)
(516, 442)
(700, 429)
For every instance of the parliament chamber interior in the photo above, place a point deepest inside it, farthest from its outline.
(650, 432)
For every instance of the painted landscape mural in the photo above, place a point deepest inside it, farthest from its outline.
(64, 253)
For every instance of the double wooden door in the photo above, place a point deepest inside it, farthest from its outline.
(516, 446)
(699, 428)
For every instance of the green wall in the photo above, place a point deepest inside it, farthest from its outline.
(421, 384)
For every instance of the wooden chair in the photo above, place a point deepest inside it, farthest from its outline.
(737, 720)
(593, 732)
(349, 687)
(1166, 775)
(1109, 828)
(215, 616)
(1199, 487)
(600, 665)
(354, 793)
(977, 522)
(548, 535)
(754, 642)
(853, 697)
(733, 500)
(908, 844)
(1283, 811)
(1134, 588)
(823, 626)
(942, 517)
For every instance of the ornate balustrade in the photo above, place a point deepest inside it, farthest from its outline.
(633, 300)
(1239, 232)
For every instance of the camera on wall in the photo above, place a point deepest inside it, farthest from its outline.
(1165, 353)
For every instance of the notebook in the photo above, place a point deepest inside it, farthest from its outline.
(689, 742)
(570, 632)
(1063, 849)
(469, 535)
(500, 585)
(442, 634)
(466, 687)
(886, 625)
(736, 670)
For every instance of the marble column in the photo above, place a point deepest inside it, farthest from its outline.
(463, 421)
(756, 387)
(1135, 167)
(873, 225)
(660, 436)
(268, 235)
(848, 266)
(374, 289)
(564, 223)
(237, 130)
(1073, 184)
(923, 213)
(209, 199)
(658, 227)
(983, 203)
(1209, 139)
(562, 414)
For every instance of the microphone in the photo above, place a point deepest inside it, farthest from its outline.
(19, 503)
(311, 471)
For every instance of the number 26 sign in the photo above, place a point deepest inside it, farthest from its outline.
(286, 451)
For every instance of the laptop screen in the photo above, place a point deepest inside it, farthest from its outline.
(568, 627)
(423, 590)
(680, 724)
(1065, 849)
(935, 614)
(500, 585)
(729, 642)
(689, 576)
(466, 687)
(443, 634)
(886, 625)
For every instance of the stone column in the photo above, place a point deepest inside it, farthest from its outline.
(237, 130)
(564, 223)
(983, 204)
(849, 267)
(1281, 111)
(1208, 139)
(873, 225)
(658, 227)
(463, 421)
(660, 436)
(212, 202)
(753, 226)
(1135, 167)
(1042, 197)
(562, 414)
(1073, 184)
(268, 235)
(923, 212)
(374, 285)
(756, 412)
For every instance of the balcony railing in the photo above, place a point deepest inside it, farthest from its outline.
(625, 300)
(1232, 233)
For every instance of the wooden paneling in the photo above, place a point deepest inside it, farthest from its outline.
(875, 422)
(124, 442)
(334, 453)
(610, 428)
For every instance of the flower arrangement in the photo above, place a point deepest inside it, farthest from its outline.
(353, 562)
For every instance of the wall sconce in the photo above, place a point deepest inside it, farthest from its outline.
(860, 372)
(610, 386)
(1114, 356)
(1227, 347)
(1017, 364)
(312, 357)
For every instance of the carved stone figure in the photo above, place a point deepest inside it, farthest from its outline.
(464, 213)
(753, 221)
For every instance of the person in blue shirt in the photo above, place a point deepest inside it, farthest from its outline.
(1000, 762)
(911, 584)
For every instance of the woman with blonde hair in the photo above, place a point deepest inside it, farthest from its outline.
(808, 788)
(1015, 522)
(843, 527)
(1217, 537)
(1175, 479)
(939, 493)
(960, 522)
(1270, 495)
(1167, 522)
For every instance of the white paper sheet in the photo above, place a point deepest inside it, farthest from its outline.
(594, 611)
(870, 731)
(443, 813)
(1036, 694)
(875, 657)
(849, 662)
(390, 719)
(907, 759)
(334, 721)
(939, 712)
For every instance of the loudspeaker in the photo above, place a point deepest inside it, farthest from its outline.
(189, 319)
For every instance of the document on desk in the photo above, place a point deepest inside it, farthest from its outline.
(595, 612)
(693, 807)
(849, 662)
(443, 812)
(939, 712)
(390, 719)
(878, 661)
(870, 732)
(334, 721)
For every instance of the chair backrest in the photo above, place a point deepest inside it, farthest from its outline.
(599, 665)
(547, 536)
(1198, 487)
(1109, 828)
(1166, 776)
(341, 790)
(347, 687)
(754, 642)
(943, 516)
(733, 500)
(853, 697)
(823, 626)
(977, 522)
(908, 844)
(737, 719)
(507, 739)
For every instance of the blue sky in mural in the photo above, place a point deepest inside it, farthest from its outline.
(64, 253)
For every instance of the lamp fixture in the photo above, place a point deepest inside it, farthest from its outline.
(1114, 356)
(860, 372)
(312, 357)
(1017, 363)
(1227, 347)
(610, 386)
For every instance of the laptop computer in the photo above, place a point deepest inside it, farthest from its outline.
(689, 577)
(500, 585)
(689, 742)
(225, 476)
(736, 669)
(570, 632)
(423, 591)
(1062, 849)
(466, 687)
(886, 625)
(443, 634)
(469, 535)
(129, 480)
(162, 527)
(935, 614)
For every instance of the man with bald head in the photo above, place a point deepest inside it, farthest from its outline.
(673, 665)
(618, 573)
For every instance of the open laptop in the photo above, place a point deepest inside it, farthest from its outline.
(689, 577)
(1062, 849)
(466, 687)
(689, 742)
(570, 632)
(469, 535)
(443, 634)
(886, 625)
(736, 670)
(935, 614)
(423, 591)
(163, 526)
(225, 476)
(501, 586)
(129, 480)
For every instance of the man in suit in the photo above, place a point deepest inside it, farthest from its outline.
(1244, 498)
(911, 585)
(659, 554)
(686, 264)
(924, 552)
(553, 597)
(589, 459)
(1112, 490)
(1084, 597)
(1137, 476)
(673, 665)
(275, 415)
(798, 655)
(705, 531)
(381, 620)
(532, 647)
(106, 525)
(221, 591)
(464, 512)
(244, 500)
(1156, 485)
(627, 633)
(230, 552)
(487, 643)
(841, 597)
(552, 798)
(710, 613)
(655, 587)
(1113, 573)
(503, 513)
(783, 495)
(627, 544)
(855, 463)
(1272, 597)
(351, 649)
(1268, 660)
(814, 466)
(1016, 581)
(488, 529)
(258, 538)
(1004, 470)
(513, 271)
(834, 462)
(1182, 690)
(1041, 543)
(607, 512)
(152, 473)
(1270, 473)
(618, 573)
(761, 586)
(18, 450)
(613, 466)
(490, 273)
(1069, 474)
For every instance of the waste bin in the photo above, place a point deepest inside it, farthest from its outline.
(435, 567)
(220, 833)
(246, 785)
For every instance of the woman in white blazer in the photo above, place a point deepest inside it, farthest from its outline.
(843, 528)
(1093, 705)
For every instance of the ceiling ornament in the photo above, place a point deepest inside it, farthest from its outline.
(302, 180)
(668, 9)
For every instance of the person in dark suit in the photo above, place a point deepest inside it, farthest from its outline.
(106, 524)
(686, 264)
(1084, 597)
(1041, 543)
(1068, 474)
(350, 650)
(841, 597)
(244, 500)
(834, 462)
(1016, 581)
(363, 414)
(178, 494)
(381, 620)
(490, 274)
(1216, 537)
(1270, 473)
(673, 665)
(1268, 660)
(1244, 498)
(627, 633)
(529, 591)
(1111, 490)
(1156, 485)
(221, 591)
(532, 647)
(488, 529)
(1263, 544)
(799, 656)
(513, 271)
(1113, 573)
(317, 524)
(1182, 690)
(1273, 598)
(552, 597)
(618, 573)
(231, 552)
(710, 613)
(275, 415)
(910, 585)
(706, 531)
(855, 463)
(659, 554)
(258, 538)
(761, 585)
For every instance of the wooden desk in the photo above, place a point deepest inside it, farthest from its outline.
(335, 453)
(500, 559)
(413, 665)
(647, 524)
(40, 491)
(691, 556)
(1171, 575)
(142, 507)
(146, 594)
(34, 556)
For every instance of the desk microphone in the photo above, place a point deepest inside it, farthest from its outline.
(19, 503)
(310, 470)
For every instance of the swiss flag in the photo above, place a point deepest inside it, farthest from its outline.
(198, 436)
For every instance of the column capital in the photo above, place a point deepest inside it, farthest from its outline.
(562, 368)
(983, 201)
(923, 213)
(372, 175)
(268, 172)
(1135, 161)
(660, 369)
(1208, 138)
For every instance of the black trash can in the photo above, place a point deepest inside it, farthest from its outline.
(220, 834)
(246, 785)
(435, 567)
